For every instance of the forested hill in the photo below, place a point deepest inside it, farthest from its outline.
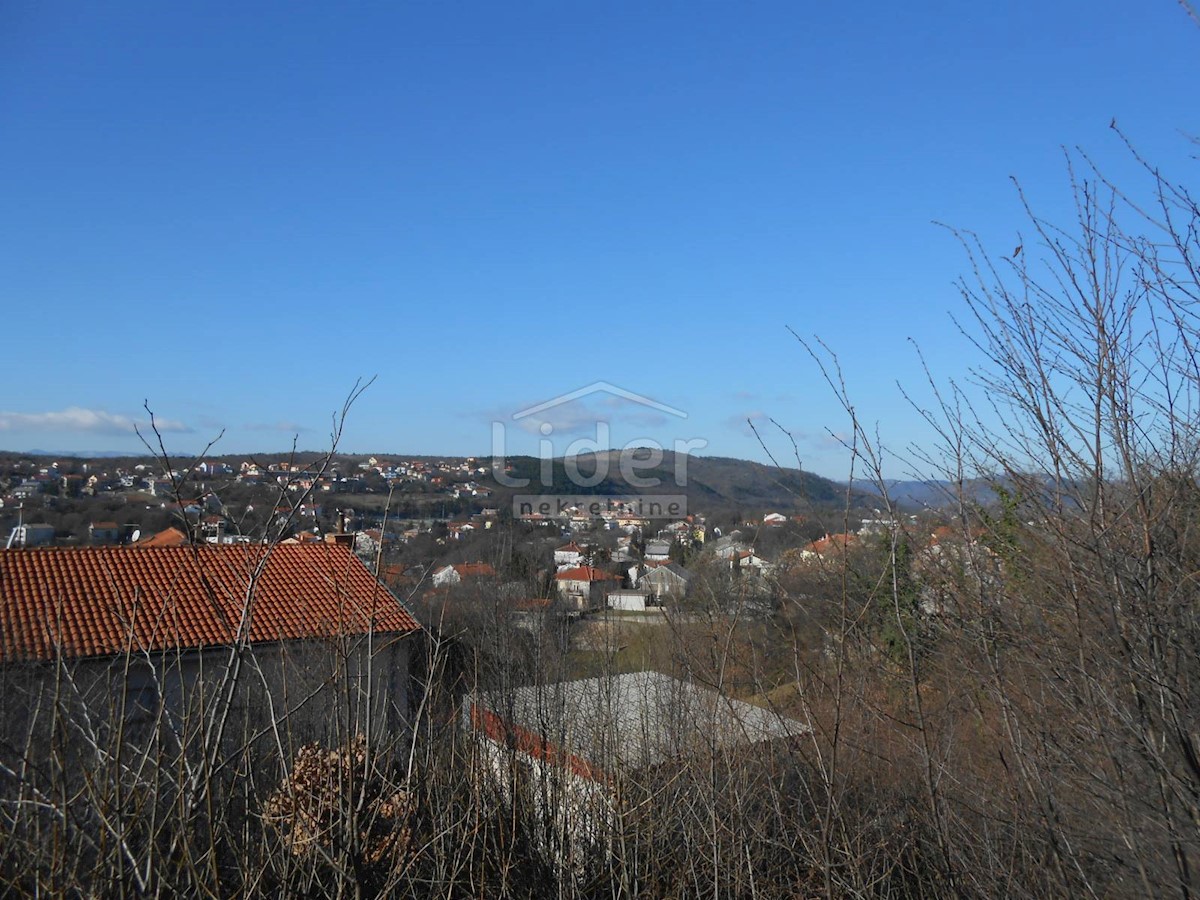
(711, 483)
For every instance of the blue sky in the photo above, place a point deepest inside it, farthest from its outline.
(235, 211)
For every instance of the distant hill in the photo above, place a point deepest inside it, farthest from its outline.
(910, 495)
(940, 494)
(80, 454)
(710, 483)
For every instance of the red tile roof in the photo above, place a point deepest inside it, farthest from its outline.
(955, 533)
(172, 537)
(474, 570)
(831, 542)
(943, 533)
(96, 601)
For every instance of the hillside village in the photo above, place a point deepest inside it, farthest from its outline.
(431, 529)
(401, 624)
(72, 501)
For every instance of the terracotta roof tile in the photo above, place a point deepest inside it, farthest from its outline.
(171, 537)
(831, 542)
(96, 601)
(472, 570)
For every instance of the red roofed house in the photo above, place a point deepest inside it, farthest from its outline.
(291, 632)
(831, 543)
(171, 537)
(584, 587)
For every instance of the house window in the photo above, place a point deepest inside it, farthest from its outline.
(142, 701)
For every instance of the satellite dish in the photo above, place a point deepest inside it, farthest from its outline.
(137, 533)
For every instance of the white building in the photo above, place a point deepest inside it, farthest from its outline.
(658, 551)
(583, 587)
(628, 599)
(568, 555)
(668, 581)
(31, 536)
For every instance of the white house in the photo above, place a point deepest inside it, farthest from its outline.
(658, 550)
(27, 489)
(667, 581)
(729, 551)
(723, 542)
(568, 555)
(749, 561)
(583, 587)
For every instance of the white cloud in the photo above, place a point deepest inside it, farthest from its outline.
(741, 422)
(91, 421)
(581, 414)
(283, 426)
(565, 418)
